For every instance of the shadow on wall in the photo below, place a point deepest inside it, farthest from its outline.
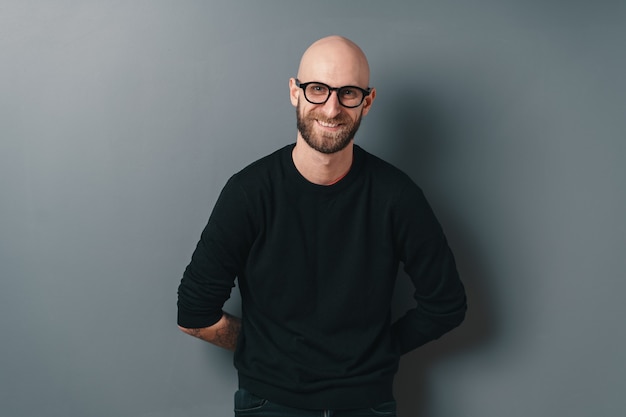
(418, 141)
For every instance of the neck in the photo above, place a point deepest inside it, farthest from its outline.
(320, 168)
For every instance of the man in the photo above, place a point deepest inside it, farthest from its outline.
(315, 234)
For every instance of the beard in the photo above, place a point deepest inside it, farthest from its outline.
(327, 142)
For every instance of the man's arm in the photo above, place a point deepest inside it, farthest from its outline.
(439, 293)
(224, 333)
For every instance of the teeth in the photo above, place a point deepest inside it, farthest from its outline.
(327, 124)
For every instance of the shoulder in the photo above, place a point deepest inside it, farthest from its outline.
(384, 173)
(389, 183)
(249, 187)
(268, 162)
(264, 171)
(409, 208)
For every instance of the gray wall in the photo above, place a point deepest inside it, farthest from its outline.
(121, 120)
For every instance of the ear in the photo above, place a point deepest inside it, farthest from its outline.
(369, 100)
(294, 92)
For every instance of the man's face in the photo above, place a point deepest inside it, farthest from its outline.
(327, 131)
(330, 127)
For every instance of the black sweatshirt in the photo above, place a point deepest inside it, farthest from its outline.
(316, 267)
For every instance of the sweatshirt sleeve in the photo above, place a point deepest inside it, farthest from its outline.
(429, 262)
(218, 259)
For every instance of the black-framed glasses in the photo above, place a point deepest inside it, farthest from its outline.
(349, 96)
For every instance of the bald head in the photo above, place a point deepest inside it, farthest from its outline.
(336, 61)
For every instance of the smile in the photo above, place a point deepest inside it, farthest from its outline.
(329, 125)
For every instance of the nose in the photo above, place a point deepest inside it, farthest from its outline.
(332, 107)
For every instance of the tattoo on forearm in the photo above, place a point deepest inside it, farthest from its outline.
(227, 336)
(224, 335)
(195, 333)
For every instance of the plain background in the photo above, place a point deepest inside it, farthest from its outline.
(120, 121)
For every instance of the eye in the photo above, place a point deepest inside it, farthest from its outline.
(349, 92)
(318, 89)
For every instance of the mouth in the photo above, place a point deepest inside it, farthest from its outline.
(329, 125)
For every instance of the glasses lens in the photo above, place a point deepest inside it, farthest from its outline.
(350, 96)
(316, 93)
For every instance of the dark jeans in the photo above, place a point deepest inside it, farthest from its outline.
(249, 405)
